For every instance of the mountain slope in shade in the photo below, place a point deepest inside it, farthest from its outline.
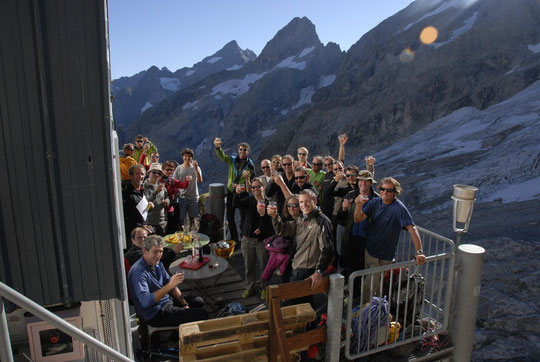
(134, 95)
(484, 54)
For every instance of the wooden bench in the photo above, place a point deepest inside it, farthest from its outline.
(239, 338)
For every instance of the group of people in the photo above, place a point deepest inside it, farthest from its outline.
(333, 217)
(320, 215)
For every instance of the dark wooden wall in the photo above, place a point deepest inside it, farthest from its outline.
(58, 232)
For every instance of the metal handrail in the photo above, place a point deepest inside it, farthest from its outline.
(54, 320)
(440, 252)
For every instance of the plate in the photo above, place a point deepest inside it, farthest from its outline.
(171, 240)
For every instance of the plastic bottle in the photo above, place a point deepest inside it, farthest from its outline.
(393, 331)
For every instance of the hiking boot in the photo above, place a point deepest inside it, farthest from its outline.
(247, 293)
(263, 295)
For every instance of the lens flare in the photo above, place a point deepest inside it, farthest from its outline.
(406, 56)
(428, 35)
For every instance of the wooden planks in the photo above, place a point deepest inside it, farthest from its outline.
(241, 337)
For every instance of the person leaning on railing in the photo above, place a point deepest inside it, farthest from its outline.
(388, 216)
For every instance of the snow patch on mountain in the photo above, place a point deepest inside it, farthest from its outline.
(443, 7)
(214, 60)
(467, 25)
(534, 48)
(146, 106)
(306, 51)
(171, 84)
(326, 80)
(189, 105)
(496, 148)
(290, 63)
(526, 190)
(190, 72)
(267, 133)
(235, 67)
(201, 146)
(305, 97)
(237, 87)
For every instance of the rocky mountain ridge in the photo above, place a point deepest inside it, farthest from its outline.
(134, 95)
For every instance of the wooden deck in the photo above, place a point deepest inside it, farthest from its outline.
(230, 286)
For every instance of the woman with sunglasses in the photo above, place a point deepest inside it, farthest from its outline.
(255, 228)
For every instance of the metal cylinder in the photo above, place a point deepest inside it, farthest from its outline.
(470, 261)
(217, 201)
(464, 197)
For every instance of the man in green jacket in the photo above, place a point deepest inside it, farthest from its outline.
(241, 169)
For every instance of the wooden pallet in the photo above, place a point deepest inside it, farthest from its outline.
(238, 338)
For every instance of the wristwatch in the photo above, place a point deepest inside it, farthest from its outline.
(419, 252)
(320, 272)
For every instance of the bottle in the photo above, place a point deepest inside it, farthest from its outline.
(197, 249)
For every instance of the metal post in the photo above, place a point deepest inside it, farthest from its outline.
(5, 344)
(458, 237)
(334, 317)
(217, 201)
(470, 260)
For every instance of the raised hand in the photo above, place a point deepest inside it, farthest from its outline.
(217, 142)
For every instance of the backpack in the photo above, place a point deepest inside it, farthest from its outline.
(404, 302)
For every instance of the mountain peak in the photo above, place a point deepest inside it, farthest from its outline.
(297, 35)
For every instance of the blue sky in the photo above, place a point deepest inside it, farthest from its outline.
(179, 33)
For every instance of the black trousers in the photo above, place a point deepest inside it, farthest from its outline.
(230, 216)
(354, 252)
(171, 314)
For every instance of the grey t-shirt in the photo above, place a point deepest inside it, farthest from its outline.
(192, 191)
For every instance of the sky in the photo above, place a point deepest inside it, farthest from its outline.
(180, 33)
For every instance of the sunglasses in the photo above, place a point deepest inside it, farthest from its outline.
(316, 164)
(351, 175)
(300, 177)
(139, 141)
(302, 154)
(155, 156)
(287, 164)
(292, 205)
(328, 164)
(156, 172)
(265, 167)
(338, 169)
(243, 149)
(256, 187)
(387, 190)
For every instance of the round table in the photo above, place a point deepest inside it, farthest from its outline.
(203, 239)
(204, 279)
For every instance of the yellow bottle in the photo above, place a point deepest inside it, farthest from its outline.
(393, 330)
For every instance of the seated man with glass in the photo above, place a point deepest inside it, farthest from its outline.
(155, 294)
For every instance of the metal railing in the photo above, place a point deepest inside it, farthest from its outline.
(50, 318)
(417, 297)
